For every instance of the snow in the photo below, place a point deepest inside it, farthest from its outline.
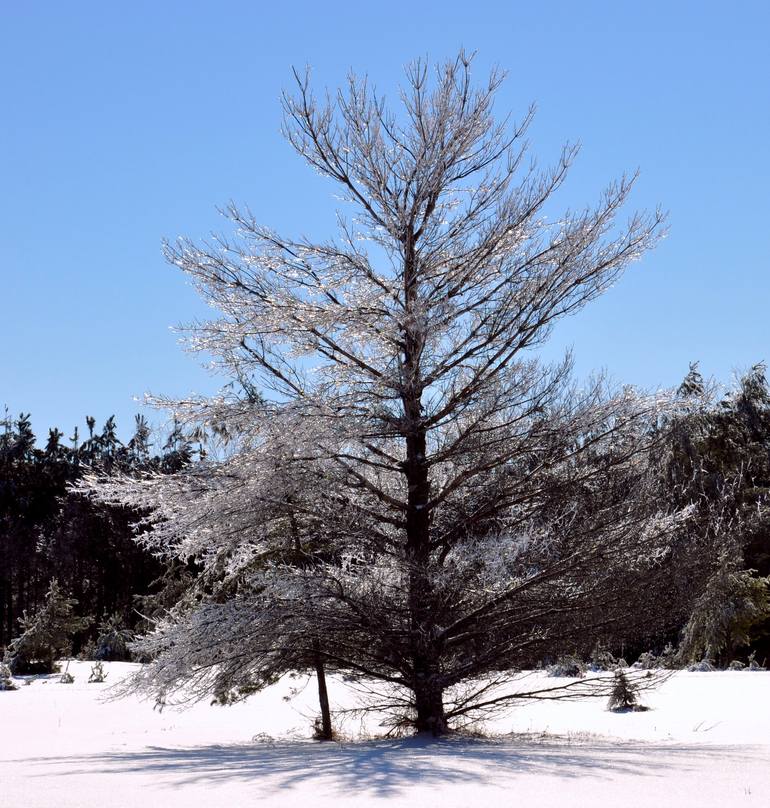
(704, 742)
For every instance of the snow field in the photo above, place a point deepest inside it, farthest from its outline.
(705, 742)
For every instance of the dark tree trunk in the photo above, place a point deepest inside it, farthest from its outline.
(428, 693)
(325, 733)
(429, 706)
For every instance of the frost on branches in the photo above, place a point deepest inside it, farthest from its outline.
(405, 492)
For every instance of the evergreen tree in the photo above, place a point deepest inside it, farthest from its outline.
(624, 695)
(725, 616)
(718, 464)
(477, 509)
(46, 635)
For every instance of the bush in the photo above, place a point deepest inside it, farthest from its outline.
(6, 682)
(602, 659)
(113, 640)
(87, 651)
(667, 659)
(568, 666)
(646, 662)
(97, 673)
(704, 666)
(318, 731)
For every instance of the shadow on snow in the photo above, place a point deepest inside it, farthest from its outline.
(385, 767)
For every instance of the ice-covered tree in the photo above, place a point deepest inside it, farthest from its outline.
(406, 489)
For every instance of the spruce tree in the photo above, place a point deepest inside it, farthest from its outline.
(623, 697)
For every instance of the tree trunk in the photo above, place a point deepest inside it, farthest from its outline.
(429, 706)
(428, 694)
(324, 733)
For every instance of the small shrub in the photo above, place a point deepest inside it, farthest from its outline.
(97, 673)
(112, 643)
(704, 666)
(669, 658)
(6, 682)
(736, 665)
(569, 666)
(87, 651)
(647, 661)
(318, 730)
(753, 664)
(602, 659)
(66, 678)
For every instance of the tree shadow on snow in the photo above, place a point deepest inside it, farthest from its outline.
(383, 768)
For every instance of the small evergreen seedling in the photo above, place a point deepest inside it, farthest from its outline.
(624, 696)
(67, 678)
(98, 673)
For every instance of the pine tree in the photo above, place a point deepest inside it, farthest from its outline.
(46, 635)
(466, 509)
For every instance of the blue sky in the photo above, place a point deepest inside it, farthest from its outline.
(124, 123)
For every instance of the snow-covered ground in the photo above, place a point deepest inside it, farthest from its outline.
(705, 742)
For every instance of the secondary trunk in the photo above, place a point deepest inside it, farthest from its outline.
(324, 731)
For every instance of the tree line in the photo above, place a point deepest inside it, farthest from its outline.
(50, 532)
(716, 455)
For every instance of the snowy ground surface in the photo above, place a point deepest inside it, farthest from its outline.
(705, 742)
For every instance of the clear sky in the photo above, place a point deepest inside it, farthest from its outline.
(122, 123)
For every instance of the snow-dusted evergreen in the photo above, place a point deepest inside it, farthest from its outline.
(624, 695)
(403, 491)
(46, 635)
